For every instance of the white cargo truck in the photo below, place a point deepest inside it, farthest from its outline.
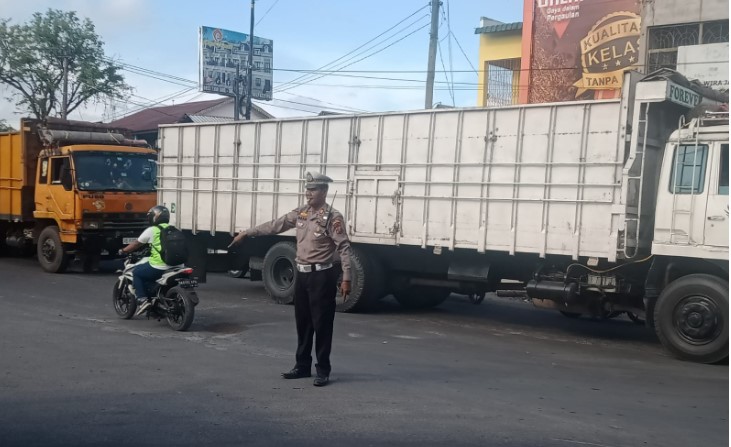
(590, 207)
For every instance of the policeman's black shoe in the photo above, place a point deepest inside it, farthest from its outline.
(321, 380)
(297, 373)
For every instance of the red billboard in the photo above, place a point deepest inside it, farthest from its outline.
(580, 48)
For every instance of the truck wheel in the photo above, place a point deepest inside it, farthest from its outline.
(421, 297)
(52, 255)
(279, 272)
(691, 318)
(366, 283)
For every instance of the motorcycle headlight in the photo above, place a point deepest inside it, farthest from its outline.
(91, 225)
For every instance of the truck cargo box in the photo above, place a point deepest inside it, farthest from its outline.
(18, 154)
(542, 179)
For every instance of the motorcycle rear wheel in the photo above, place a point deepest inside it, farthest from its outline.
(181, 309)
(125, 303)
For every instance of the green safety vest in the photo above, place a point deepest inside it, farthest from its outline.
(156, 244)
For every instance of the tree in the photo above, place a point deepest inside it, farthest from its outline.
(38, 57)
(5, 127)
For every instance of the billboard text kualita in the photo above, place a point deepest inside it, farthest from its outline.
(222, 52)
(581, 48)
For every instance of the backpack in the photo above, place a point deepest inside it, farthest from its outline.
(174, 249)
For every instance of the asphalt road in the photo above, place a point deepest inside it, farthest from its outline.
(502, 373)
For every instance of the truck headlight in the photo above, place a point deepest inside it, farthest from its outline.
(91, 225)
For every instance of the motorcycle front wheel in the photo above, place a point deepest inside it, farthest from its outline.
(125, 303)
(181, 309)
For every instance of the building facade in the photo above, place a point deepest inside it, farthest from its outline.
(499, 62)
(566, 50)
(691, 37)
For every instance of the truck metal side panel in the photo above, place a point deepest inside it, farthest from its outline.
(12, 177)
(541, 179)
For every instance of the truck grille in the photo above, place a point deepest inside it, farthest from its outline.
(119, 221)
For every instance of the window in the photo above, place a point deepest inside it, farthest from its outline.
(43, 179)
(723, 173)
(258, 82)
(689, 169)
(501, 82)
(663, 41)
(58, 166)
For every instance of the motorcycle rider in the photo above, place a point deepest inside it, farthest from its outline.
(144, 275)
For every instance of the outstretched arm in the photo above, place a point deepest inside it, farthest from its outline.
(280, 225)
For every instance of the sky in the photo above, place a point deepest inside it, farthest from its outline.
(162, 36)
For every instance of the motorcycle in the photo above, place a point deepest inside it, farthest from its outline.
(174, 294)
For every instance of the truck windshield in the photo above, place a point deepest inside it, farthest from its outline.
(115, 171)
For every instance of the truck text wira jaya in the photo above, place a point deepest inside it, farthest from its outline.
(74, 189)
(590, 207)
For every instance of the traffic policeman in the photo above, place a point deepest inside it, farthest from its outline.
(320, 231)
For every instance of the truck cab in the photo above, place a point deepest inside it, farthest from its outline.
(75, 189)
(687, 288)
(692, 211)
(97, 197)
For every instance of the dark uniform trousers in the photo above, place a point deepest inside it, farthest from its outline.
(314, 311)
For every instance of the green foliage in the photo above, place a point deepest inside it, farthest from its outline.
(32, 59)
(5, 127)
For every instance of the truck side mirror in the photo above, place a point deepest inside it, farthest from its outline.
(66, 180)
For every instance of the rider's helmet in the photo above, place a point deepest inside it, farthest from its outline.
(157, 215)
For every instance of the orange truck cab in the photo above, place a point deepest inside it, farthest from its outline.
(73, 189)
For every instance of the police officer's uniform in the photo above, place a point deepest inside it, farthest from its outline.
(320, 232)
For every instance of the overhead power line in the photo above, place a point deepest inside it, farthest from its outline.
(361, 59)
(328, 103)
(332, 63)
(469, 61)
(267, 12)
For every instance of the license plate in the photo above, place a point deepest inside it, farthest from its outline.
(128, 240)
(187, 283)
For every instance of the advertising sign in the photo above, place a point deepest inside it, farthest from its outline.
(222, 51)
(682, 96)
(707, 63)
(580, 48)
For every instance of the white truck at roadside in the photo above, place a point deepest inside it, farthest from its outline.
(590, 207)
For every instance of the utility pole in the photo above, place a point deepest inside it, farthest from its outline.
(250, 79)
(237, 93)
(433, 40)
(65, 100)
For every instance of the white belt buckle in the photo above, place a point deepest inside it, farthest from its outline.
(307, 268)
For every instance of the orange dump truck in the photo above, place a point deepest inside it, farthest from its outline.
(72, 189)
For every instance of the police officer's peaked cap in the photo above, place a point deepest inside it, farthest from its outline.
(315, 180)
